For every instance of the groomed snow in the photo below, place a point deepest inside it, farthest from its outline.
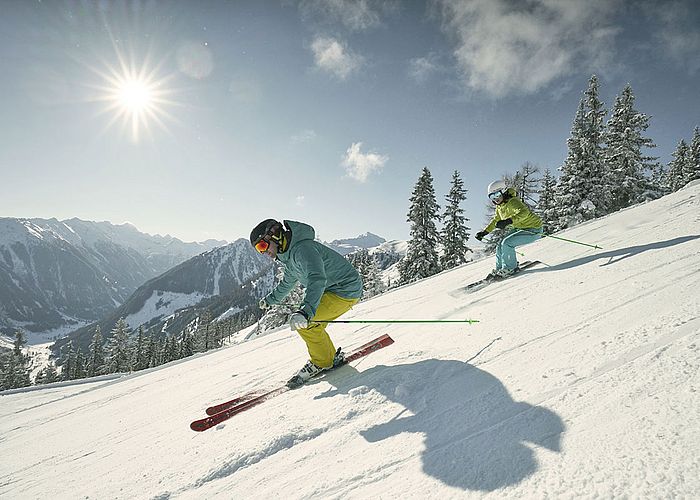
(581, 380)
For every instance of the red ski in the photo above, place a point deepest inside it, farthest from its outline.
(251, 399)
(240, 399)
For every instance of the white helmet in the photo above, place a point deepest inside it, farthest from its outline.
(498, 185)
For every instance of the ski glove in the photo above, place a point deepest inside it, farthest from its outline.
(503, 223)
(263, 304)
(298, 320)
(480, 235)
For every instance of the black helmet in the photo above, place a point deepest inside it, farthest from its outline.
(267, 227)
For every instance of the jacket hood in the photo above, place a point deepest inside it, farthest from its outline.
(300, 232)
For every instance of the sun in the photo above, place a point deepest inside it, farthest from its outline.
(137, 96)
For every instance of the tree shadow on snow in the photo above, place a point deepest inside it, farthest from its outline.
(615, 256)
(476, 435)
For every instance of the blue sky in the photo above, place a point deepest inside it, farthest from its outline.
(199, 119)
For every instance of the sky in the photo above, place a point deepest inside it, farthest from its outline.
(597, 401)
(199, 119)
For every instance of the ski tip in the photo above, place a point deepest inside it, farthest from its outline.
(198, 426)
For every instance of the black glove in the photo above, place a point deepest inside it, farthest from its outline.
(480, 235)
(503, 223)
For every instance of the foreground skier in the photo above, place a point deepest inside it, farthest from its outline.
(332, 285)
(510, 210)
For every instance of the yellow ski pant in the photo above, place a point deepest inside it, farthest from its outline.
(319, 344)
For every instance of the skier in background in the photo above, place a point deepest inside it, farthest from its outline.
(526, 227)
(332, 285)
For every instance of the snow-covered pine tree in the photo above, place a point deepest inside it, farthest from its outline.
(677, 168)
(693, 164)
(96, 357)
(581, 190)
(14, 371)
(526, 183)
(546, 204)
(68, 361)
(187, 344)
(139, 356)
(170, 351)
(658, 180)
(455, 232)
(80, 366)
(48, 375)
(155, 351)
(366, 264)
(205, 332)
(421, 258)
(627, 167)
(118, 359)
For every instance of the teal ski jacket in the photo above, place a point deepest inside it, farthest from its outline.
(318, 268)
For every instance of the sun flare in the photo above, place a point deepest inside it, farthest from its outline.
(136, 97)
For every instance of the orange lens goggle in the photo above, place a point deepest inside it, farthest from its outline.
(262, 246)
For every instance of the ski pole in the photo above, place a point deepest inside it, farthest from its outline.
(470, 321)
(563, 239)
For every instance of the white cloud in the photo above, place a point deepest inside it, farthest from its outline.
(508, 47)
(300, 200)
(422, 68)
(331, 56)
(303, 136)
(360, 165)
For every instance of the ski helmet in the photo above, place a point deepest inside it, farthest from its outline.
(496, 186)
(268, 227)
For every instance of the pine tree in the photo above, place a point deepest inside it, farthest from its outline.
(80, 365)
(155, 351)
(421, 258)
(68, 365)
(366, 266)
(48, 375)
(546, 204)
(119, 360)
(187, 345)
(455, 232)
(170, 349)
(626, 165)
(140, 354)
(581, 190)
(526, 183)
(692, 170)
(14, 371)
(677, 168)
(96, 357)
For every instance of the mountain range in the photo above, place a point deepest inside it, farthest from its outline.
(56, 275)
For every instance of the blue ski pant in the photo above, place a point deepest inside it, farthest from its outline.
(505, 251)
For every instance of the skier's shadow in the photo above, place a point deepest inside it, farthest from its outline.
(614, 256)
(475, 433)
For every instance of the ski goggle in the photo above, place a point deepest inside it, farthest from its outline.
(262, 246)
(496, 195)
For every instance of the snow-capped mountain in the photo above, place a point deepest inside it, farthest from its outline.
(349, 245)
(231, 278)
(57, 273)
(579, 380)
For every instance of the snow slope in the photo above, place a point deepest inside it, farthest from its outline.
(581, 380)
